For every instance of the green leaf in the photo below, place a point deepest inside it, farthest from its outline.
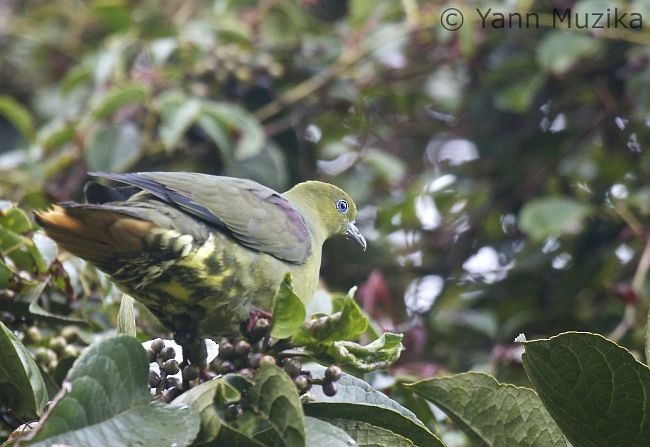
(552, 216)
(202, 398)
(560, 51)
(178, 114)
(6, 274)
(118, 97)
(318, 432)
(346, 324)
(30, 293)
(595, 390)
(491, 413)
(56, 134)
(44, 251)
(108, 403)
(114, 148)
(248, 134)
(22, 388)
(126, 317)
(287, 310)
(369, 435)
(352, 390)
(374, 415)
(18, 115)
(275, 398)
(381, 353)
(15, 220)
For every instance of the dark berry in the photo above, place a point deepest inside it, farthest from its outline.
(292, 367)
(242, 348)
(157, 345)
(167, 353)
(170, 366)
(190, 372)
(233, 412)
(260, 328)
(333, 373)
(254, 360)
(170, 382)
(152, 355)
(154, 379)
(329, 388)
(246, 372)
(226, 350)
(303, 383)
(225, 367)
(171, 394)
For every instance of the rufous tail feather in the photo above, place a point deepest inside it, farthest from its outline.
(97, 235)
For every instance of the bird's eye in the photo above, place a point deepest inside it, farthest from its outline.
(342, 206)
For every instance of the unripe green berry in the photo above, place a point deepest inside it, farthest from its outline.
(70, 333)
(333, 373)
(33, 335)
(267, 360)
(58, 344)
(170, 366)
(167, 353)
(329, 388)
(70, 351)
(157, 345)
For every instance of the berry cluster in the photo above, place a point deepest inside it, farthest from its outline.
(50, 349)
(165, 381)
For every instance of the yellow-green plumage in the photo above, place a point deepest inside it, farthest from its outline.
(202, 251)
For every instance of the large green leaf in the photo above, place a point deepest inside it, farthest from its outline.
(178, 114)
(288, 311)
(114, 148)
(275, 398)
(203, 398)
(368, 435)
(118, 97)
(491, 413)
(595, 390)
(246, 131)
(318, 432)
(21, 385)
(356, 400)
(109, 403)
(552, 216)
(17, 115)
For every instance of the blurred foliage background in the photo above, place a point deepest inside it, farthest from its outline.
(501, 174)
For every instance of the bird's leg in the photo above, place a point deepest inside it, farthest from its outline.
(194, 349)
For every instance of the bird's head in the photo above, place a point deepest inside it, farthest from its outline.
(334, 209)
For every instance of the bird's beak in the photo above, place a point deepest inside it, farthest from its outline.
(353, 233)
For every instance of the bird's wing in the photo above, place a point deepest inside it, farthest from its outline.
(253, 214)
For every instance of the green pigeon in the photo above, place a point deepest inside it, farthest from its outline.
(200, 251)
